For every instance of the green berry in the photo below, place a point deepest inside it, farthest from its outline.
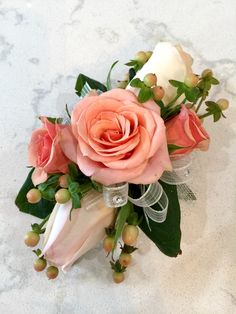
(141, 57)
(40, 264)
(52, 272)
(191, 80)
(108, 244)
(125, 259)
(207, 73)
(158, 92)
(62, 196)
(33, 196)
(148, 54)
(150, 79)
(31, 238)
(63, 181)
(118, 277)
(130, 234)
(223, 103)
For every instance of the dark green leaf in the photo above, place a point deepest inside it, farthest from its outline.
(145, 94)
(38, 252)
(82, 79)
(131, 63)
(166, 235)
(49, 193)
(75, 192)
(73, 171)
(121, 219)
(75, 201)
(109, 76)
(41, 209)
(132, 74)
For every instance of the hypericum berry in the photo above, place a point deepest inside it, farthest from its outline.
(150, 79)
(125, 259)
(158, 92)
(40, 264)
(62, 196)
(52, 272)
(141, 57)
(33, 196)
(207, 73)
(148, 54)
(130, 234)
(108, 244)
(31, 238)
(122, 84)
(191, 80)
(63, 181)
(223, 103)
(118, 277)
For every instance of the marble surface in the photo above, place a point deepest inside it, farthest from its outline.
(43, 47)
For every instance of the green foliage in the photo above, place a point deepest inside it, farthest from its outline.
(109, 76)
(82, 79)
(76, 195)
(136, 65)
(191, 93)
(41, 210)
(55, 120)
(173, 147)
(121, 219)
(166, 235)
(117, 267)
(214, 109)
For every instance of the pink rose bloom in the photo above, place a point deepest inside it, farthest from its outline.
(66, 240)
(117, 139)
(45, 153)
(186, 130)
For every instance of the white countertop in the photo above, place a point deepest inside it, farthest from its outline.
(44, 45)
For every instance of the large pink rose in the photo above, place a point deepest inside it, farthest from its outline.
(118, 139)
(45, 153)
(186, 130)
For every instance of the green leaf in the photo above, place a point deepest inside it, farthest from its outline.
(73, 171)
(214, 81)
(49, 193)
(166, 235)
(52, 180)
(121, 219)
(173, 147)
(75, 192)
(41, 210)
(131, 63)
(214, 109)
(38, 252)
(132, 74)
(82, 79)
(176, 83)
(55, 120)
(136, 83)
(192, 94)
(145, 94)
(109, 76)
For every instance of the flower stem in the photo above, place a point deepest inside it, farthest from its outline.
(43, 222)
(199, 105)
(205, 115)
(174, 100)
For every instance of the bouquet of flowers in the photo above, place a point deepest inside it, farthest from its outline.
(119, 162)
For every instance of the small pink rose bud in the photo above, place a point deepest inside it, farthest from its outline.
(158, 92)
(62, 196)
(141, 57)
(63, 181)
(52, 272)
(31, 238)
(150, 79)
(33, 196)
(40, 264)
(191, 80)
(223, 103)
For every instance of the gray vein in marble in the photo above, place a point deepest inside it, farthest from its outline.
(34, 61)
(108, 35)
(18, 17)
(5, 48)
(41, 94)
(231, 295)
(76, 9)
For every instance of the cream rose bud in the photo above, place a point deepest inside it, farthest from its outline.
(168, 62)
(67, 239)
